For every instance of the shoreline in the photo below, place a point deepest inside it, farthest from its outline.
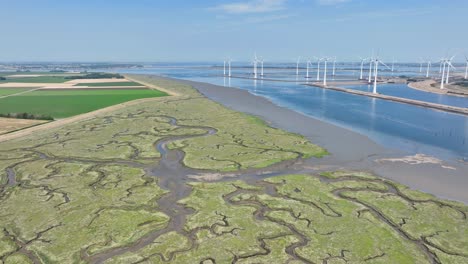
(349, 150)
(426, 86)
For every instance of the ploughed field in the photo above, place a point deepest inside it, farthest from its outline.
(179, 179)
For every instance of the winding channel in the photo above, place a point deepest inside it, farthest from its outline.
(173, 176)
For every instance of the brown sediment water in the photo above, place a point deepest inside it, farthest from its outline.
(11, 176)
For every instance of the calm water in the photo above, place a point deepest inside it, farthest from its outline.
(402, 90)
(405, 127)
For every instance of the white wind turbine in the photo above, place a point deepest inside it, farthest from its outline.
(229, 65)
(297, 65)
(255, 62)
(224, 68)
(371, 61)
(261, 62)
(429, 64)
(466, 68)
(421, 62)
(449, 65)
(325, 71)
(377, 61)
(362, 68)
(442, 61)
(440, 68)
(334, 63)
(318, 68)
(393, 64)
(308, 63)
(445, 77)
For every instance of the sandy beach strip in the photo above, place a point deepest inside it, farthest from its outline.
(426, 86)
(107, 80)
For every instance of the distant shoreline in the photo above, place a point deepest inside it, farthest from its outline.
(426, 86)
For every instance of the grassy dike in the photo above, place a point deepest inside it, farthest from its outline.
(76, 193)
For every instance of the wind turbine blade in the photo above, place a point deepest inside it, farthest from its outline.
(384, 64)
(449, 63)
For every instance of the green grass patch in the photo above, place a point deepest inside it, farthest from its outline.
(60, 103)
(116, 84)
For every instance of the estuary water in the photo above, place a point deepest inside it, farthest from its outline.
(399, 126)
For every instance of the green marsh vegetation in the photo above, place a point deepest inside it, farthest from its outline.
(75, 193)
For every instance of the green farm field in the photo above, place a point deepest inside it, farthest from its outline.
(39, 79)
(61, 104)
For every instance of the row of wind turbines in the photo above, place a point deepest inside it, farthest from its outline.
(373, 65)
(445, 64)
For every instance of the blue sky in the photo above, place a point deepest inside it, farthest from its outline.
(278, 30)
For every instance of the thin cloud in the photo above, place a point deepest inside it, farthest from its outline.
(254, 6)
(255, 20)
(382, 14)
(332, 2)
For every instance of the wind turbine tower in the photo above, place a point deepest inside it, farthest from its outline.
(297, 66)
(255, 61)
(229, 64)
(325, 72)
(443, 61)
(466, 68)
(371, 61)
(261, 73)
(362, 68)
(377, 61)
(334, 63)
(224, 68)
(449, 65)
(429, 64)
(318, 69)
